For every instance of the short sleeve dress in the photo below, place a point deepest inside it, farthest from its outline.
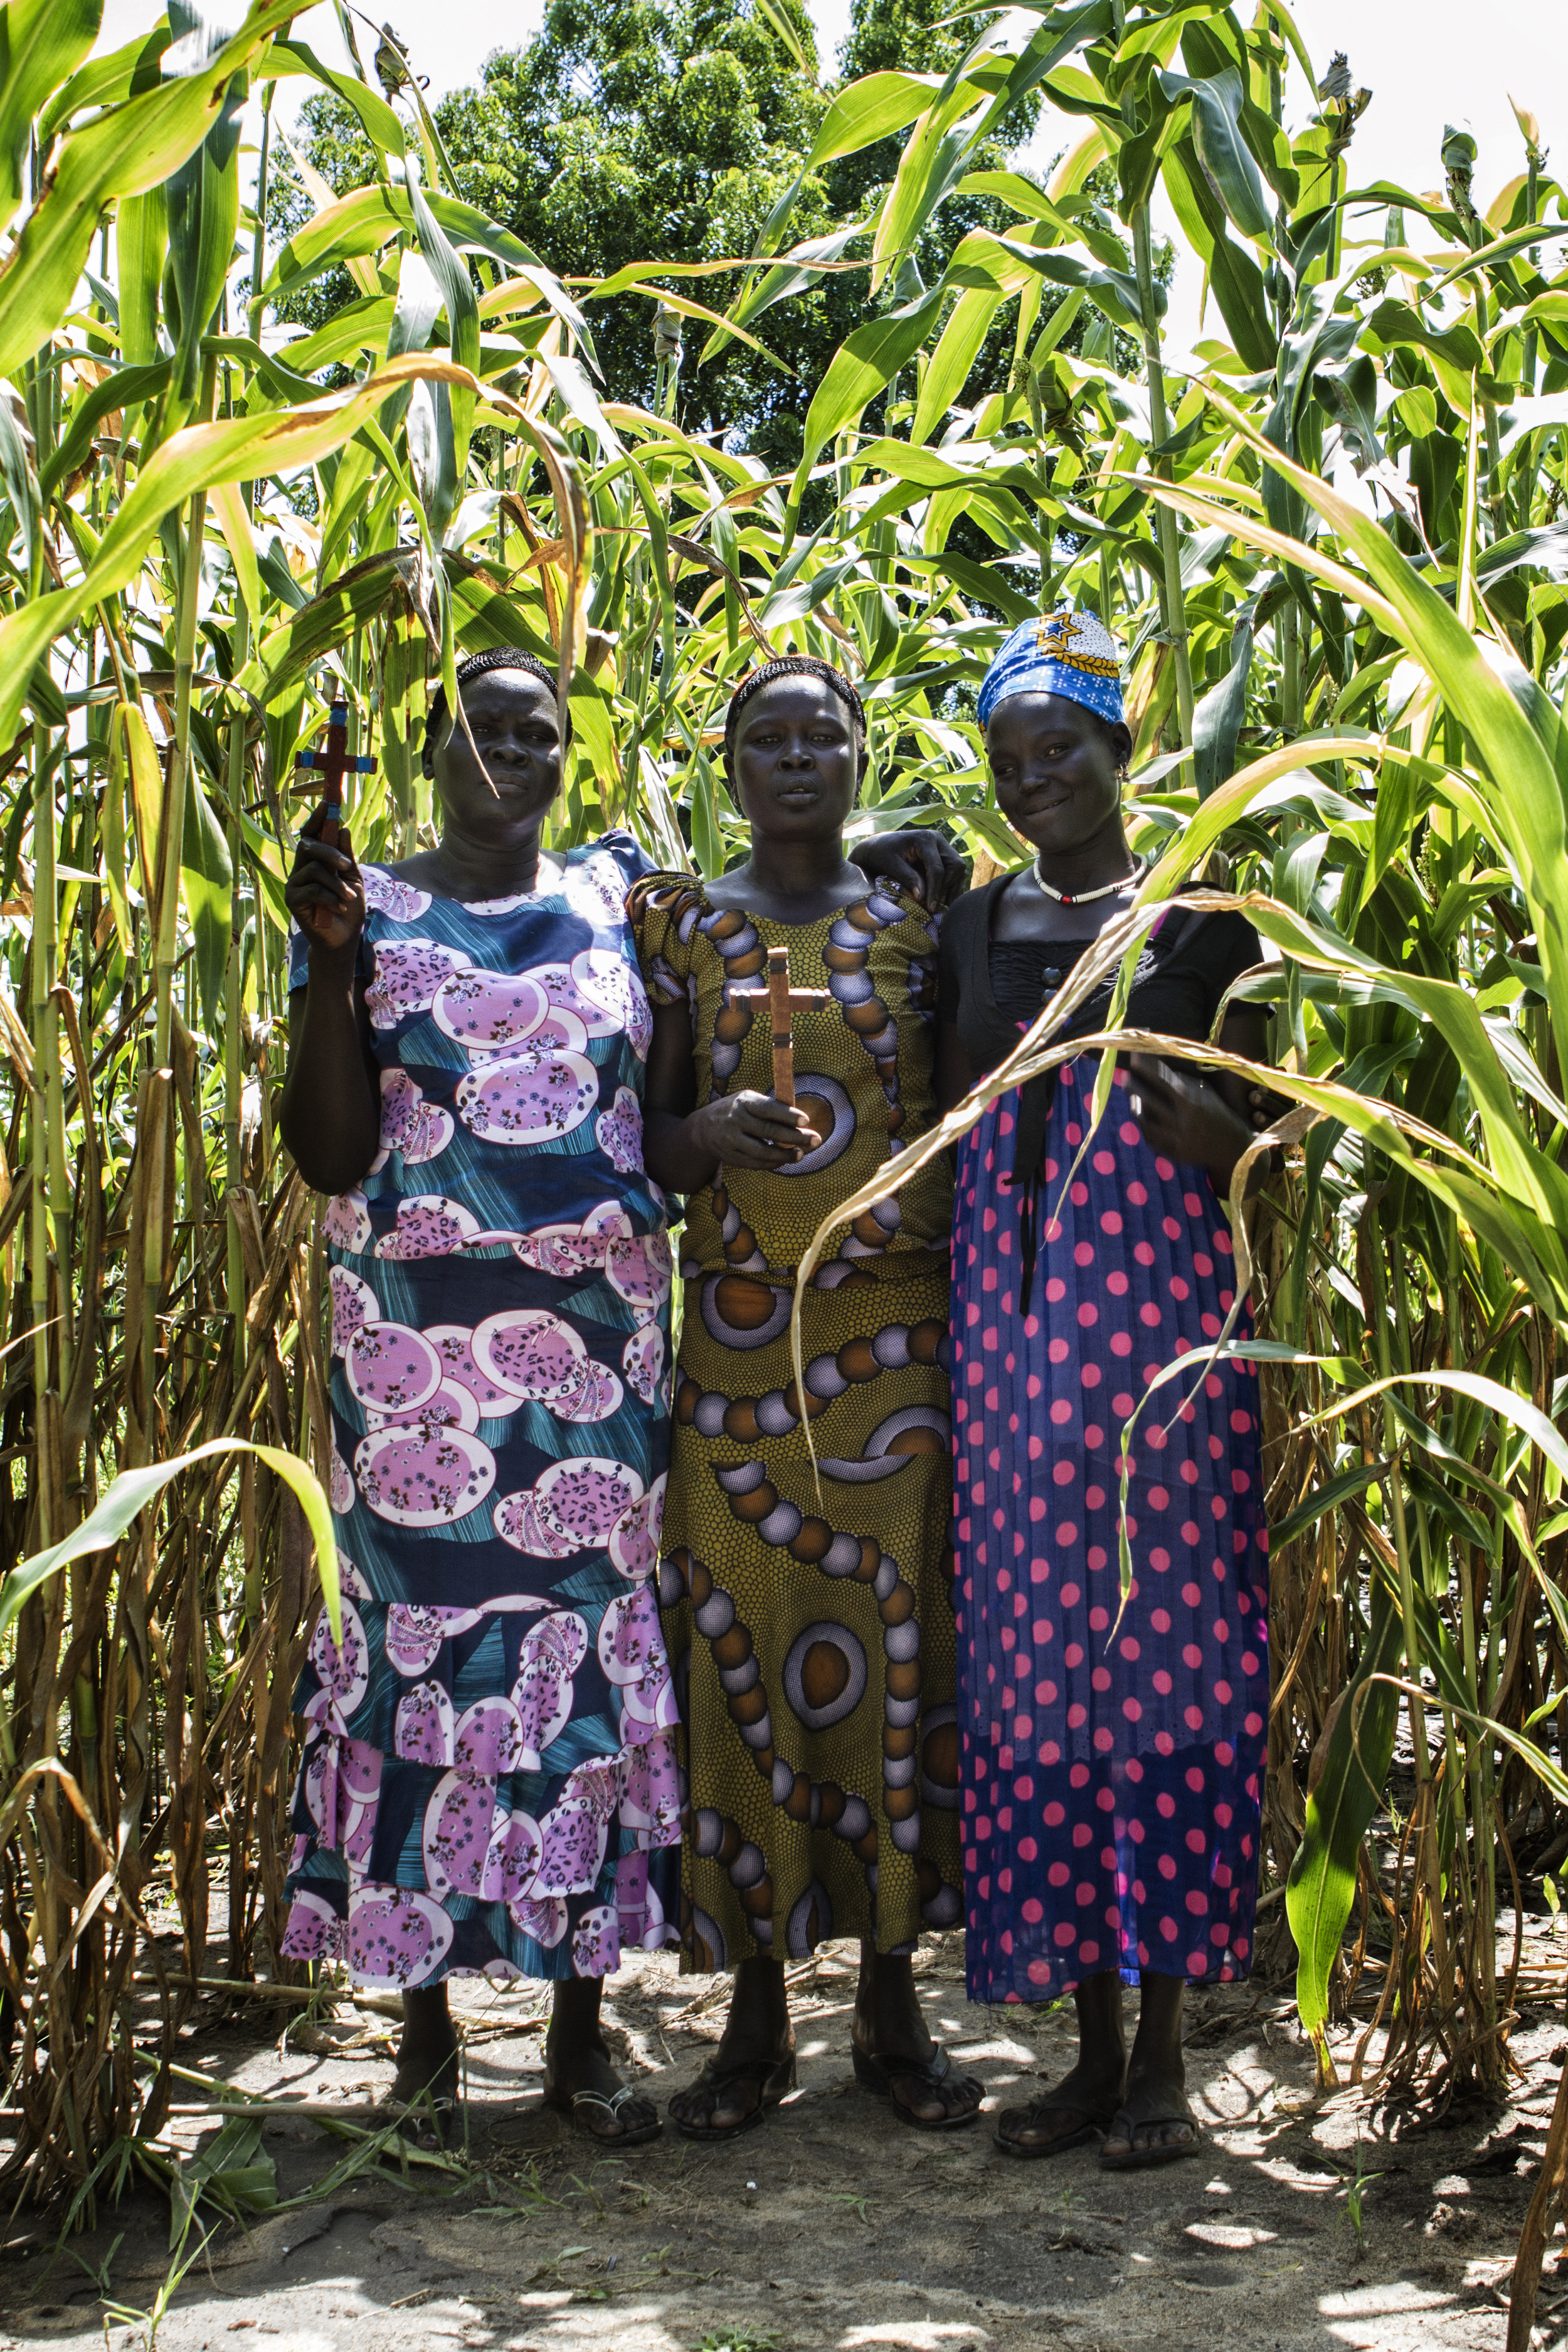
(1112, 1761)
(811, 1633)
(489, 1783)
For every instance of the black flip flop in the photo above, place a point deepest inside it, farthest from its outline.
(878, 2075)
(1146, 2159)
(574, 2103)
(774, 2079)
(1094, 2128)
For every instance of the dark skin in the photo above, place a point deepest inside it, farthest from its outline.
(795, 771)
(1058, 769)
(493, 795)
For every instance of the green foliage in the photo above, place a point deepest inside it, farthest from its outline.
(1337, 556)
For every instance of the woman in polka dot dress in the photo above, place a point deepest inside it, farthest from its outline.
(1111, 1770)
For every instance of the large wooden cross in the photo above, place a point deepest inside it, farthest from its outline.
(334, 763)
(783, 1000)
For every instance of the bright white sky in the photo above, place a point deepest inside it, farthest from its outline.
(1426, 64)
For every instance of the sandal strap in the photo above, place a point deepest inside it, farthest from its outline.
(929, 2072)
(1152, 2123)
(715, 2077)
(1048, 2104)
(612, 2104)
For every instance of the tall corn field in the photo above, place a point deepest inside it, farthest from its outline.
(1334, 538)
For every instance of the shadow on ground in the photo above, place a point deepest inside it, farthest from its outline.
(833, 2226)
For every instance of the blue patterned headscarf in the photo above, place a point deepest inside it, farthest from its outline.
(1067, 653)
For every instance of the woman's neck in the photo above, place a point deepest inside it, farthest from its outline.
(792, 881)
(1089, 864)
(460, 869)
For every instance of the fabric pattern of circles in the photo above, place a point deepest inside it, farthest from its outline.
(863, 1064)
(810, 1651)
(825, 1675)
(489, 1780)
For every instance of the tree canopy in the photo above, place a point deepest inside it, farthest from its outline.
(636, 129)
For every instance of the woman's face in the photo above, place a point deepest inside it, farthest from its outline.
(798, 762)
(1054, 766)
(517, 735)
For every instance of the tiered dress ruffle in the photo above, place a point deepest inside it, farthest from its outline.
(489, 1783)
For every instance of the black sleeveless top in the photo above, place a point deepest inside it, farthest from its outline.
(992, 988)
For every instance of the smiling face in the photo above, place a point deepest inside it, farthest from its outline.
(517, 735)
(1054, 765)
(796, 761)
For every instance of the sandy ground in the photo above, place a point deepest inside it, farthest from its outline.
(833, 2226)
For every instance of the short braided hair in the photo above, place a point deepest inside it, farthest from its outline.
(493, 657)
(791, 666)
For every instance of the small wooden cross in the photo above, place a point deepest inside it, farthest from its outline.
(335, 763)
(783, 1000)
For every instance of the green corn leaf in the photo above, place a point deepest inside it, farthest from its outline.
(382, 126)
(1324, 1498)
(856, 373)
(42, 42)
(236, 449)
(108, 81)
(206, 882)
(1518, 781)
(126, 151)
(870, 109)
(141, 248)
(932, 162)
(1217, 102)
(128, 387)
(1216, 721)
(204, 192)
(1321, 1886)
(451, 274)
(984, 259)
(1235, 280)
(947, 370)
(133, 1491)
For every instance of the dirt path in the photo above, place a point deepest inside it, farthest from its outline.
(833, 2227)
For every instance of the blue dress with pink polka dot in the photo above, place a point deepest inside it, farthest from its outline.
(1113, 1764)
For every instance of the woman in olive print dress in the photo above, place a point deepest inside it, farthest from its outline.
(812, 1636)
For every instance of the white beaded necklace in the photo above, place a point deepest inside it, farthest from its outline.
(1082, 897)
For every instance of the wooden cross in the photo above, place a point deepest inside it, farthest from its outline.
(783, 1000)
(335, 763)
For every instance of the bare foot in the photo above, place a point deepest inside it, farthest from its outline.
(888, 2026)
(1154, 2122)
(578, 2075)
(758, 2040)
(429, 2063)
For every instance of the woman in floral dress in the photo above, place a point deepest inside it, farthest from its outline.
(488, 1778)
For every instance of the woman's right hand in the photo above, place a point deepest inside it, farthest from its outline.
(324, 893)
(753, 1130)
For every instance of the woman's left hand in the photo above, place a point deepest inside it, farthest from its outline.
(1186, 1117)
(918, 861)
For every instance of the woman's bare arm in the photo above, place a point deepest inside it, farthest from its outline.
(684, 1145)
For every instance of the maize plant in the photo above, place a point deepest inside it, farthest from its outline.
(1332, 538)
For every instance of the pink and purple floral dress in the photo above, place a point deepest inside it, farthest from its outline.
(489, 1780)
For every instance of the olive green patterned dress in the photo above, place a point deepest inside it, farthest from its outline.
(811, 1634)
